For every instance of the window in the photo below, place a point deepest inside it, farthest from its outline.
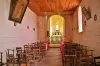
(80, 29)
(57, 27)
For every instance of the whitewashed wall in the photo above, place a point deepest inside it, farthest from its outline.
(68, 27)
(12, 36)
(91, 32)
(42, 28)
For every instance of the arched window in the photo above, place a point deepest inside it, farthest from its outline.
(80, 28)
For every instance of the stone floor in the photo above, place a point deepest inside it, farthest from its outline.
(52, 58)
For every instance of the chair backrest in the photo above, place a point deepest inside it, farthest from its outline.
(75, 46)
(37, 45)
(68, 49)
(97, 61)
(31, 47)
(19, 50)
(26, 48)
(10, 56)
(0, 58)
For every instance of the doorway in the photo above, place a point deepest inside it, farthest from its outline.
(56, 29)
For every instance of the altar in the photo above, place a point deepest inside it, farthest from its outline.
(56, 35)
(56, 39)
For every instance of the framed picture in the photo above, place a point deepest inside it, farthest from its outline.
(86, 13)
(17, 10)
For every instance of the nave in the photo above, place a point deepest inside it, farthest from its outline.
(52, 58)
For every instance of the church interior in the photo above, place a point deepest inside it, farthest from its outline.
(49, 33)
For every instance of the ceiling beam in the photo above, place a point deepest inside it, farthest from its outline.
(57, 13)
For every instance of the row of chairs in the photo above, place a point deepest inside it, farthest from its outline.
(76, 55)
(29, 55)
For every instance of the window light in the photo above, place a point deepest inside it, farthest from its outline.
(80, 29)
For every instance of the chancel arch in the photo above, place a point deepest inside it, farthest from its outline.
(56, 27)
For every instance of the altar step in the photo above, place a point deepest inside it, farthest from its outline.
(54, 45)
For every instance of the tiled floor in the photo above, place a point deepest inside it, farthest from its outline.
(52, 58)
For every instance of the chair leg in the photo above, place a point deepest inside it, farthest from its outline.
(62, 62)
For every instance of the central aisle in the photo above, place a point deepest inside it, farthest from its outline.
(52, 58)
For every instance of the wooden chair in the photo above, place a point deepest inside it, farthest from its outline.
(82, 60)
(37, 52)
(20, 56)
(32, 54)
(26, 49)
(69, 55)
(10, 59)
(82, 57)
(88, 53)
(1, 63)
(42, 49)
(29, 52)
(1, 59)
(97, 61)
(90, 56)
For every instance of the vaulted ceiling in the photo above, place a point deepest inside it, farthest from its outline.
(48, 7)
